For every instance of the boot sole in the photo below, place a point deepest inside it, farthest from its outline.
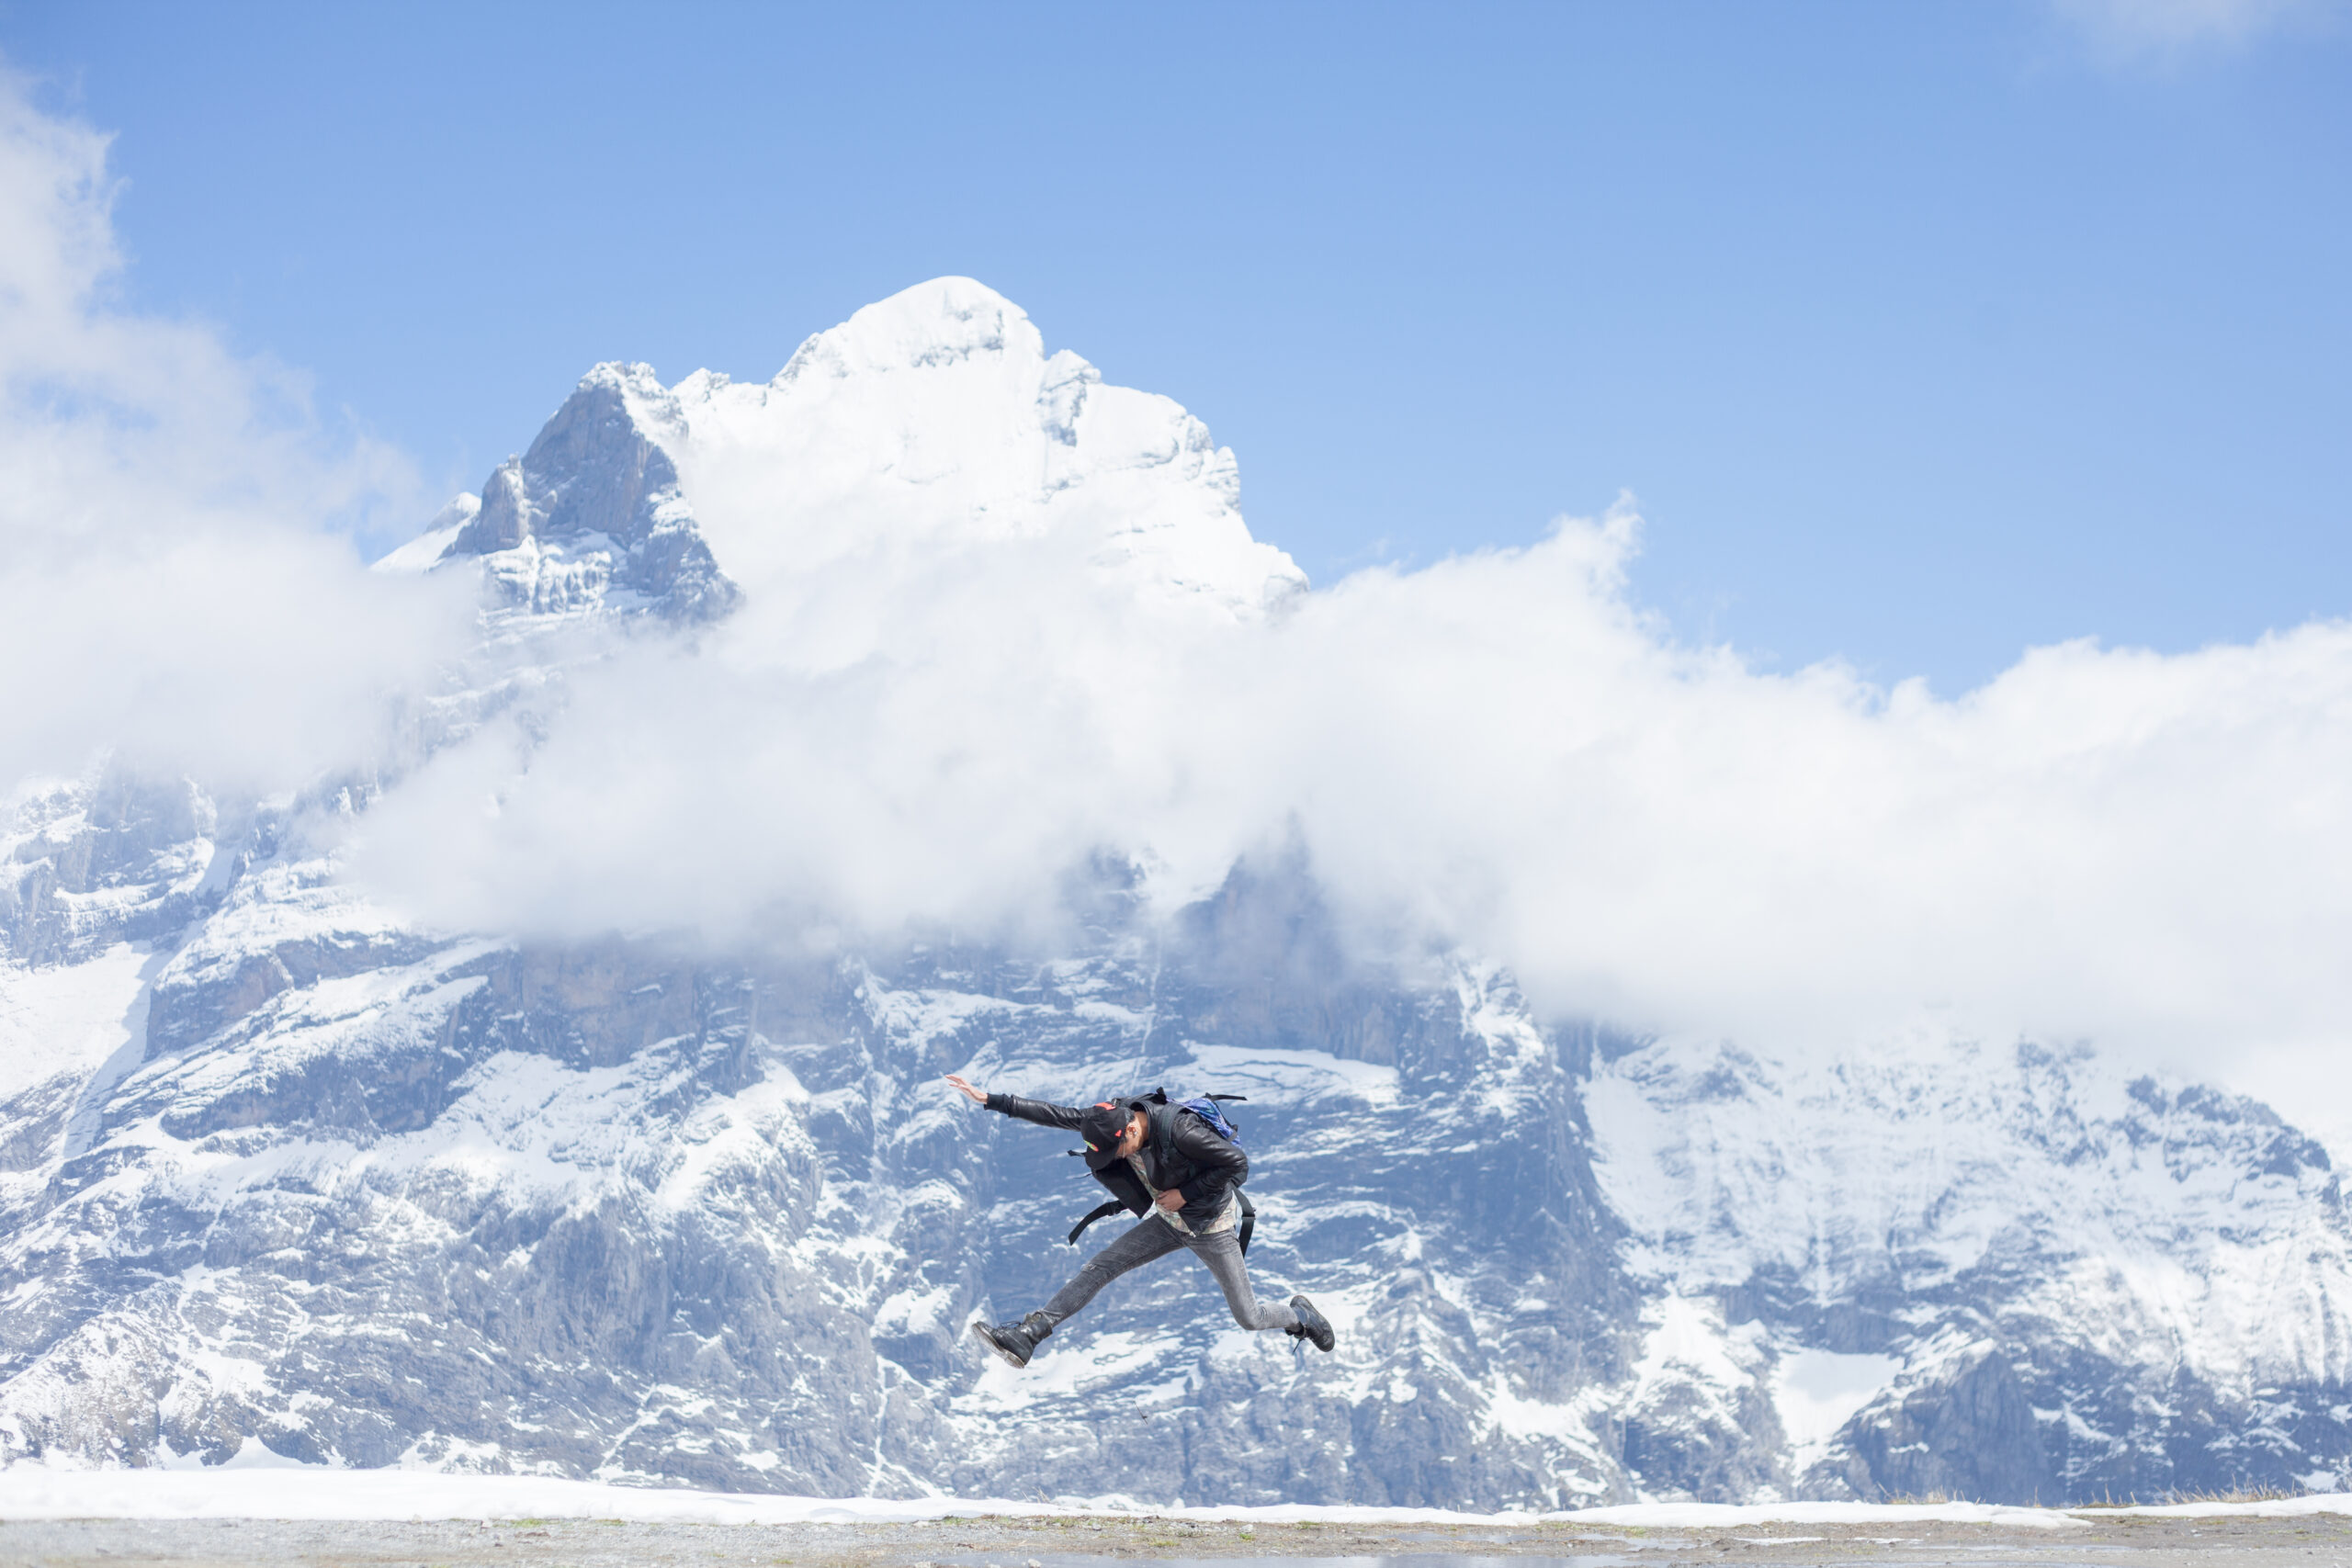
(980, 1333)
(1330, 1336)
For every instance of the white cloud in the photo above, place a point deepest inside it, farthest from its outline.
(2167, 30)
(164, 581)
(1499, 750)
(2146, 849)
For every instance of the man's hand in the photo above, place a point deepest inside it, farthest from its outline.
(1171, 1200)
(977, 1097)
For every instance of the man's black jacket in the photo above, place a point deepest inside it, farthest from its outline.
(1180, 1151)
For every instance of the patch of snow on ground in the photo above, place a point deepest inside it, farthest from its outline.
(252, 1486)
(252, 1454)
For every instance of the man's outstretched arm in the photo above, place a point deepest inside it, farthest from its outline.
(1044, 1112)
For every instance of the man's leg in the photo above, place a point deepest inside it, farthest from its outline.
(1146, 1239)
(1222, 1253)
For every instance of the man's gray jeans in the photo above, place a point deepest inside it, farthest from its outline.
(1152, 1237)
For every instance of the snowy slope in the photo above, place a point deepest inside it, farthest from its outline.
(2122, 1272)
(935, 421)
(279, 1165)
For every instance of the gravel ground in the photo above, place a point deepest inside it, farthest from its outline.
(2309, 1541)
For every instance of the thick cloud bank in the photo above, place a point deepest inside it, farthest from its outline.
(166, 585)
(1498, 751)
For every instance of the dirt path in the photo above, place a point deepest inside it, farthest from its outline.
(2315, 1542)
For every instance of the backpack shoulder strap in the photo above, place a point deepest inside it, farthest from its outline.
(1103, 1212)
(1163, 1128)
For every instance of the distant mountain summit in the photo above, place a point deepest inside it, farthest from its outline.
(590, 518)
(283, 1170)
(932, 420)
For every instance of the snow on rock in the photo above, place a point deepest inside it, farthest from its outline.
(936, 419)
(425, 551)
(69, 1019)
(261, 1487)
(930, 423)
(353, 1193)
(592, 518)
(2079, 1256)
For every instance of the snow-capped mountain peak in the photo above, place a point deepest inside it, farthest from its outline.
(929, 425)
(590, 518)
(943, 322)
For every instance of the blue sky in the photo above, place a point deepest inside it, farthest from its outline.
(1923, 333)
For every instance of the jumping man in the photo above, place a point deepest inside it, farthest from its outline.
(1168, 1165)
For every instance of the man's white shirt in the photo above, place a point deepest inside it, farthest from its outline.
(1223, 1222)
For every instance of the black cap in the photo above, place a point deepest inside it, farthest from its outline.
(1102, 1126)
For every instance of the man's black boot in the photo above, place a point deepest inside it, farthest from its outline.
(1016, 1342)
(1313, 1327)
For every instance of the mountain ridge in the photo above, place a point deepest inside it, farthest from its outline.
(1045, 429)
(294, 1168)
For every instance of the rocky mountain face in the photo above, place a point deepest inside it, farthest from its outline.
(279, 1167)
(2077, 1283)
